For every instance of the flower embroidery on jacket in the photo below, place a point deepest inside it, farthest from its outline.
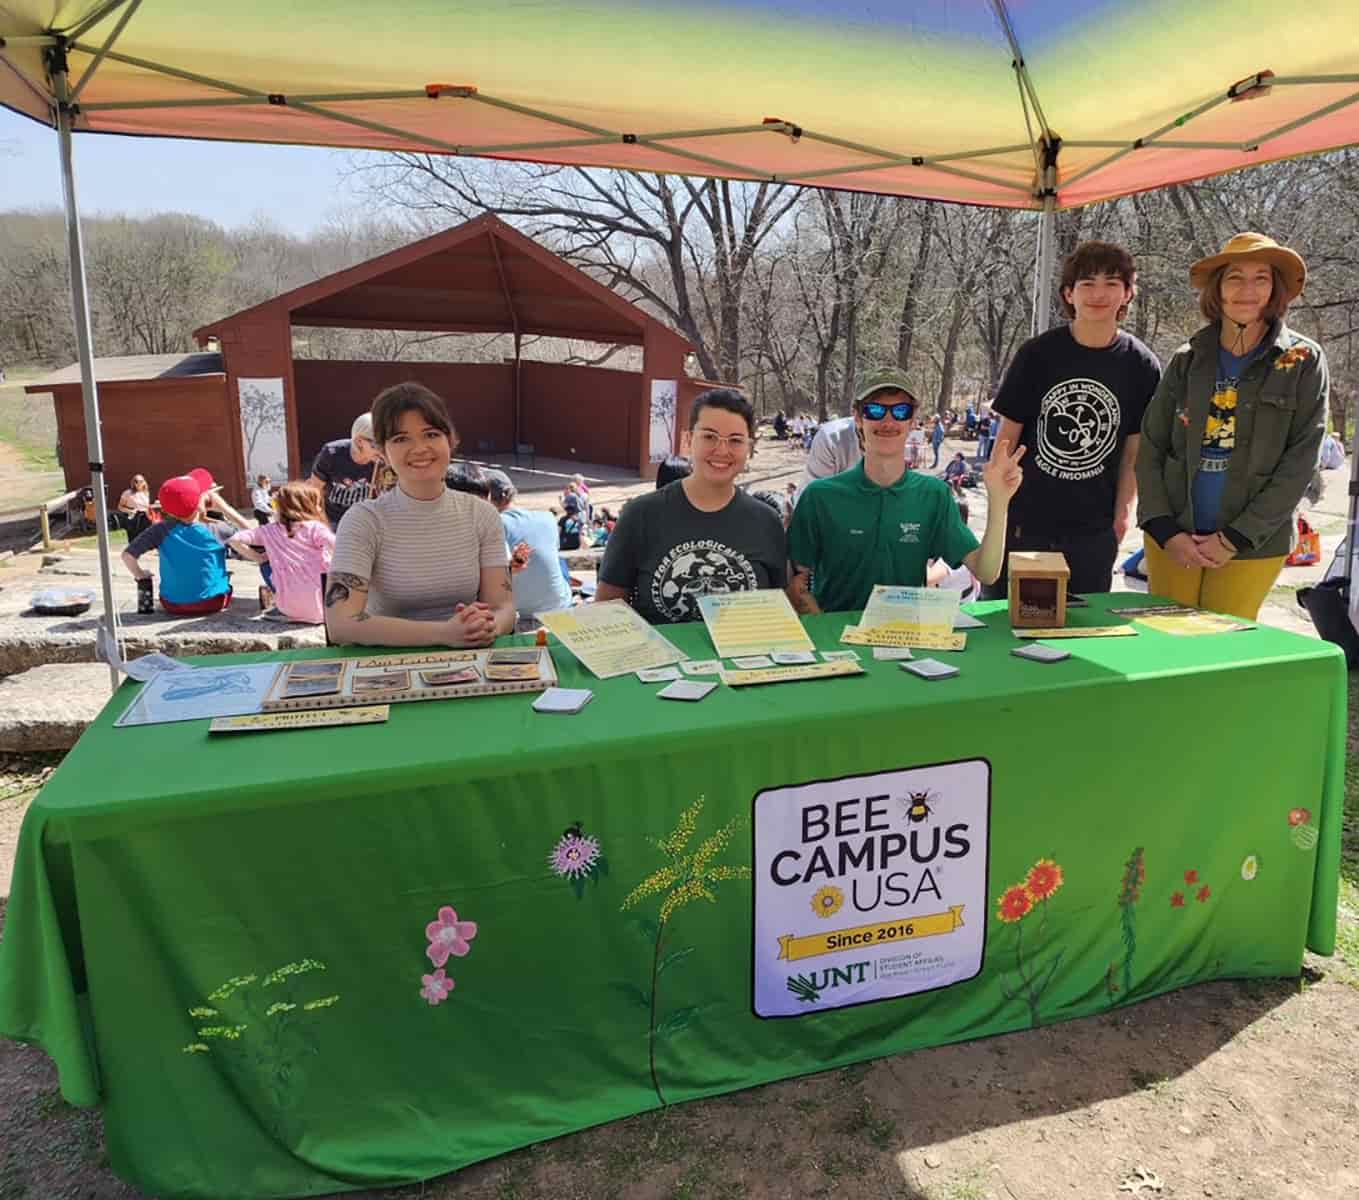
(1292, 356)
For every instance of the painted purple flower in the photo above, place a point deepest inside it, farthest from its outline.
(435, 988)
(448, 936)
(574, 856)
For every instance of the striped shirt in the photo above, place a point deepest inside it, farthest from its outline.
(420, 557)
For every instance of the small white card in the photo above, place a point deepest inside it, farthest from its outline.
(685, 689)
(563, 700)
(967, 621)
(658, 674)
(706, 666)
(840, 655)
(793, 658)
(891, 653)
(753, 662)
(930, 668)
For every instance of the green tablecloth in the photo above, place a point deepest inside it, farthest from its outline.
(227, 942)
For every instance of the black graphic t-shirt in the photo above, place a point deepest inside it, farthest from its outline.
(667, 554)
(347, 482)
(1077, 406)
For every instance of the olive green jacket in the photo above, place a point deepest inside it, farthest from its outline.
(1280, 421)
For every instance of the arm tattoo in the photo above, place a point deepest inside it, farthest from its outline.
(339, 586)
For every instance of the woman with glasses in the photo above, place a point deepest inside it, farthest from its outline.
(879, 522)
(700, 535)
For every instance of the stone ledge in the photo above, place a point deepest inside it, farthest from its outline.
(49, 707)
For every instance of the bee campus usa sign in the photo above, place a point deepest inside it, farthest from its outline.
(869, 887)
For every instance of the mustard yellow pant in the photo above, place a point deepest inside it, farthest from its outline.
(1238, 589)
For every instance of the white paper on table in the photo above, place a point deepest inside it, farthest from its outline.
(917, 608)
(201, 692)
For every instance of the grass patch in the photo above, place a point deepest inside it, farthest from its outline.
(1150, 1081)
(29, 424)
(117, 537)
(865, 1121)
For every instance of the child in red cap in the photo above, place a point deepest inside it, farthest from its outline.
(193, 574)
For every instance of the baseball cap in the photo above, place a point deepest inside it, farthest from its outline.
(179, 496)
(203, 477)
(501, 485)
(883, 379)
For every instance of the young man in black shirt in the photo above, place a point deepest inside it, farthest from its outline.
(1074, 397)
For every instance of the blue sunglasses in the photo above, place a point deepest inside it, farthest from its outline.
(901, 411)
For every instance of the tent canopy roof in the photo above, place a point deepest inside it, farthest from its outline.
(914, 97)
(483, 276)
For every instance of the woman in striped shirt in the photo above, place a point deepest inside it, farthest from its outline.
(421, 565)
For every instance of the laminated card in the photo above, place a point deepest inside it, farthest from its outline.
(610, 638)
(751, 623)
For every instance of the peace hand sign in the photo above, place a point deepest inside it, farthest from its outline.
(1003, 475)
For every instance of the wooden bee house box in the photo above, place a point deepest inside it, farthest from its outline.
(1038, 580)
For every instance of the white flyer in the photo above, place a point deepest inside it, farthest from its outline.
(201, 692)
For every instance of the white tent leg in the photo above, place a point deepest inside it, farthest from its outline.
(94, 440)
(1047, 254)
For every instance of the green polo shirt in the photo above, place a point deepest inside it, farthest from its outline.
(854, 534)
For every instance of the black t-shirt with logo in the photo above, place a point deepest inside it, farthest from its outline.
(1077, 406)
(346, 481)
(668, 554)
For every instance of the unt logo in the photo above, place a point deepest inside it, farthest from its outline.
(808, 987)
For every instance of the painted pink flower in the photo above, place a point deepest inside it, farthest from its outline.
(435, 988)
(448, 936)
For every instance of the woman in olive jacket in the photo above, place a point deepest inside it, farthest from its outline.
(1232, 435)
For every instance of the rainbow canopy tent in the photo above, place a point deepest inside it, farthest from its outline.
(949, 101)
(1039, 104)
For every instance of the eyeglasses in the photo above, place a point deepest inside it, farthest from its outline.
(903, 410)
(708, 440)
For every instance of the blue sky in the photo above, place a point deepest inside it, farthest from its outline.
(297, 187)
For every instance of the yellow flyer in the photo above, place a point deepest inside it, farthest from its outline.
(610, 638)
(756, 622)
(929, 610)
(897, 635)
(1089, 631)
(1193, 624)
(272, 722)
(821, 670)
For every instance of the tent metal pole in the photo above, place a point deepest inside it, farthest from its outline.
(80, 302)
(1047, 237)
(128, 13)
(93, 19)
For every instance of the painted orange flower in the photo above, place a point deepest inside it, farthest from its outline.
(1191, 877)
(1177, 900)
(1299, 816)
(1203, 893)
(1014, 904)
(1044, 878)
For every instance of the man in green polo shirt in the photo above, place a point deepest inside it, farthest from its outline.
(879, 522)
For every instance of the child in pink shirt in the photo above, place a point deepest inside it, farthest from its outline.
(299, 545)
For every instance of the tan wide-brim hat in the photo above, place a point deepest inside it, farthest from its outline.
(1254, 245)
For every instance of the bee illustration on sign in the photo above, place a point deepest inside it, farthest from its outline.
(919, 806)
